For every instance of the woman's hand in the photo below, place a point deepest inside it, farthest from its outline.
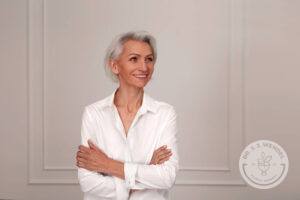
(92, 158)
(160, 155)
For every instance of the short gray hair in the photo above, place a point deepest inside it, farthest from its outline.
(116, 47)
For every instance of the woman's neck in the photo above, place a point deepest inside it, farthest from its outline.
(129, 98)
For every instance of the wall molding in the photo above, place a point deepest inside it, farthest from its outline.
(4, 196)
(42, 173)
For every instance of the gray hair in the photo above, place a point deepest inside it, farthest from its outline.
(116, 47)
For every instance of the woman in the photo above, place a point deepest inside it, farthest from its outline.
(129, 145)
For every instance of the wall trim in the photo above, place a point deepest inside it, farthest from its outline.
(41, 173)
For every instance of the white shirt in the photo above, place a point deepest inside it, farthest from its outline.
(154, 125)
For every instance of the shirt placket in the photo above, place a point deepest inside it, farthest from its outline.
(127, 140)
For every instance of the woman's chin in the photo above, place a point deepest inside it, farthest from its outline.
(140, 84)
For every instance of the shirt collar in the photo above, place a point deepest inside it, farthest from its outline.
(148, 103)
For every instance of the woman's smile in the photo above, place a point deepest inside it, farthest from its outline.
(141, 76)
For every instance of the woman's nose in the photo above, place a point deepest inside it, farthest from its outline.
(143, 65)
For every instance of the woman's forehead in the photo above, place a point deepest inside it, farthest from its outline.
(137, 47)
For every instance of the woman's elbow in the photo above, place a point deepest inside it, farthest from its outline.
(84, 186)
(170, 177)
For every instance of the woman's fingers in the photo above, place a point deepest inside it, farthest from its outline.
(82, 155)
(83, 148)
(161, 155)
(80, 163)
(164, 158)
(163, 152)
(155, 153)
(80, 159)
(161, 148)
(91, 157)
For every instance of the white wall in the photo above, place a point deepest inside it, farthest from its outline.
(237, 62)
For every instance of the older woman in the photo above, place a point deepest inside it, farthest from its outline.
(129, 146)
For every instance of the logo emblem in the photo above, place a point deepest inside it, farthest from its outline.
(263, 164)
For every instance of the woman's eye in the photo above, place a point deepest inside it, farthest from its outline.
(133, 59)
(149, 59)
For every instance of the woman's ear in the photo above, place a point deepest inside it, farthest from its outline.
(114, 66)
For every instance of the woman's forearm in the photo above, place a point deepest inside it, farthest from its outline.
(115, 168)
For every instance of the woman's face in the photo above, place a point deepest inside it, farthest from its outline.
(135, 65)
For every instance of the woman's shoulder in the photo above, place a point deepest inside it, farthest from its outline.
(163, 106)
(98, 105)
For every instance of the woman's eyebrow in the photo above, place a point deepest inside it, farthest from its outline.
(136, 54)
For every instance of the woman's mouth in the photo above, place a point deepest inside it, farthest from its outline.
(141, 76)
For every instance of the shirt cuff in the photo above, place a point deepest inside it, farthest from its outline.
(121, 190)
(130, 170)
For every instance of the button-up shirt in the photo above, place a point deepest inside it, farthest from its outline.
(153, 126)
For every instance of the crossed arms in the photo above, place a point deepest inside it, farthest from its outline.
(97, 172)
